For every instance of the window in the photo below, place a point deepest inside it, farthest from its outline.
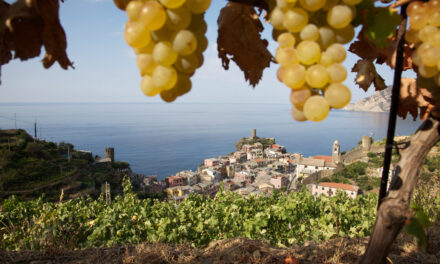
(323, 188)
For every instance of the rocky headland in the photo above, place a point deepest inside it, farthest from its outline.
(380, 101)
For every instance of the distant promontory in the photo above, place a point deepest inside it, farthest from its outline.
(266, 142)
(380, 101)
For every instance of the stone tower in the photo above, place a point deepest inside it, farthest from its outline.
(336, 152)
(110, 153)
(254, 134)
(366, 143)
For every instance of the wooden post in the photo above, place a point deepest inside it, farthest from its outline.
(108, 198)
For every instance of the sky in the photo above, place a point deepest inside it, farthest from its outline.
(106, 71)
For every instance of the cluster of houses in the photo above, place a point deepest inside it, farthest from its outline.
(250, 170)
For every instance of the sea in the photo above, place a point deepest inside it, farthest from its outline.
(162, 139)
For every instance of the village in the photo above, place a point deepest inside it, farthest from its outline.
(255, 170)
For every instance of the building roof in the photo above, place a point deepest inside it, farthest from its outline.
(183, 188)
(276, 176)
(311, 162)
(330, 164)
(203, 184)
(174, 177)
(325, 158)
(212, 159)
(104, 160)
(342, 186)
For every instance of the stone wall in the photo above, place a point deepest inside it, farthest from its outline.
(359, 153)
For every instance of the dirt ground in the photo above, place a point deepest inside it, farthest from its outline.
(236, 250)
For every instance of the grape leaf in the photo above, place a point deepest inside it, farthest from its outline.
(365, 49)
(380, 25)
(28, 25)
(239, 39)
(54, 37)
(430, 85)
(416, 226)
(412, 98)
(367, 74)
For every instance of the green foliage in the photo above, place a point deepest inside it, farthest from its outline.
(35, 150)
(379, 23)
(282, 219)
(31, 168)
(353, 170)
(355, 173)
(266, 142)
(371, 155)
(120, 165)
(433, 163)
(417, 224)
(427, 194)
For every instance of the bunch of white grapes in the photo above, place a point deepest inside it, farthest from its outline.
(310, 34)
(424, 22)
(168, 37)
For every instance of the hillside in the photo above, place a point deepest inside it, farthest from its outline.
(30, 168)
(380, 101)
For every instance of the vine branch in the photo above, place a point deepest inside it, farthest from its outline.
(395, 208)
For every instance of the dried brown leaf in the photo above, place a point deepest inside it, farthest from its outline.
(365, 49)
(239, 39)
(367, 74)
(432, 94)
(54, 37)
(5, 53)
(412, 98)
(26, 25)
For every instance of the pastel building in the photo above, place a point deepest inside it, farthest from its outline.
(330, 189)
(173, 181)
(279, 181)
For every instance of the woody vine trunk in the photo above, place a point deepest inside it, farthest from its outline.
(395, 207)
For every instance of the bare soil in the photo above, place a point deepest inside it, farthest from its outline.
(236, 250)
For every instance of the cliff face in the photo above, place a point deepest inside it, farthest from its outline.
(380, 101)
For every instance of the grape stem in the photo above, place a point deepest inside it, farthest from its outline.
(256, 3)
(400, 3)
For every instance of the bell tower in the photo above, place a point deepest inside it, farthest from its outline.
(336, 152)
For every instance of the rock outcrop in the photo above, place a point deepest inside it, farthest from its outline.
(380, 101)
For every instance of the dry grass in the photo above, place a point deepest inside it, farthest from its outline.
(236, 250)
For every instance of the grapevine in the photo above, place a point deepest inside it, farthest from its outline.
(310, 34)
(168, 39)
(424, 33)
(282, 219)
